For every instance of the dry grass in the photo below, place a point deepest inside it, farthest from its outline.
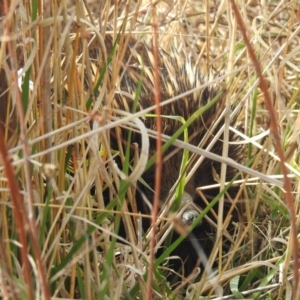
(58, 237)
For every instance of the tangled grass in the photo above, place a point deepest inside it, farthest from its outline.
(59, 239)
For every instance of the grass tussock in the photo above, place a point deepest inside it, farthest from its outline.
(70, 225)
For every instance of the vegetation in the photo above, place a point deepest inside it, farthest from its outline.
(59, 236)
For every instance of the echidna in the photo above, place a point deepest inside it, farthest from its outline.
(177, 76)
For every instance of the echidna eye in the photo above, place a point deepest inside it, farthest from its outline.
(189, 216)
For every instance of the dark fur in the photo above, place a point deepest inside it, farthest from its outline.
(174, 81)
